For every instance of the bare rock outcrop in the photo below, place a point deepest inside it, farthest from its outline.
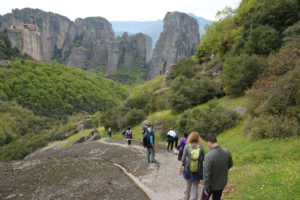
(84, 124)
(53, 31)
(26, 38)
(179, 38)
(125, 50)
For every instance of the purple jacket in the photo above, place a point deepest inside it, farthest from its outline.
(182, 143)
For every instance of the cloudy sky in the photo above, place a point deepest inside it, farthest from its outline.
(122, 10)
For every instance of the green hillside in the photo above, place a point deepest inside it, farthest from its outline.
(41, 102)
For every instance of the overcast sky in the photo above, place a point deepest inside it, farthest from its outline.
(122, 10)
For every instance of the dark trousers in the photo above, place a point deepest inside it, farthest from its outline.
(176, 142)
(129, 142)
(216, 195)
(170, 143)
(180, 155)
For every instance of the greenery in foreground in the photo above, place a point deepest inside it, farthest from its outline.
(263, 169)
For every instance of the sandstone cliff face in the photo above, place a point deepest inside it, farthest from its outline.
(179, 38)
(128, 48)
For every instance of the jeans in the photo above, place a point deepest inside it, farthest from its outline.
(191, 190)
(150, 154)
(216, 195)
(124, 137)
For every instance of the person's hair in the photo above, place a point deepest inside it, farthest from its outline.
(194, 138)
(128, 128)
(185, 134)
(211, 138)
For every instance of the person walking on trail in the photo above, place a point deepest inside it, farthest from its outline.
(129, 135)
(176, 139)
(148, 141)
(170, 138)
(124, 134)
(182, 143)
(109, 132)
(217, 162)
(191, 165)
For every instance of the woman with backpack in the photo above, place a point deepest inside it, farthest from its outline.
(129, 135)
(191, 165)
(182, 143)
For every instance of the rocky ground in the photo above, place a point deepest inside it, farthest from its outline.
(104, 169)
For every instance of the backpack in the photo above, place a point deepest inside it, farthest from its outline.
(129, 134)
(146, 140)
(195, 158)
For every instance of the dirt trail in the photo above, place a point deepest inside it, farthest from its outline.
(163, 179)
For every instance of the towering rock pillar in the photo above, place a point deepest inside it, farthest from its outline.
(179, 38)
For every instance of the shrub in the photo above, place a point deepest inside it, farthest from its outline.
(213, 120)
(262, 40)
(291, 32)
(274, 100)
(186, 93)
(239, 72)
(134, 117)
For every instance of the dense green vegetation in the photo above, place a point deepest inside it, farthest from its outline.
(40, 102)
(54, 89)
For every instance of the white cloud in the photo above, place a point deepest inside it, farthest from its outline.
(122, 10)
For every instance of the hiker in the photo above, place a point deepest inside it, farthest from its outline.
(176, 139)
(182, 143)
(148, 141)
(170, 138)
(129, 135)
(109, 132)
(192, 164)
(217, 162)
(123, 134)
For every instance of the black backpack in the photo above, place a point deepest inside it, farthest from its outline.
(146, 140)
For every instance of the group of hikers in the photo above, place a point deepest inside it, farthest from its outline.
(127, 134)
(195, 166)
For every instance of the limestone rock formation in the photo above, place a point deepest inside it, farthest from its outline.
(128, 48)
(179, 38)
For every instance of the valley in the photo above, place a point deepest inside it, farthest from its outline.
(64, 83)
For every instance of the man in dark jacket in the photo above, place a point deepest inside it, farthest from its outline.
(217, 162)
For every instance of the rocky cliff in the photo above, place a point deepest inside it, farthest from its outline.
(128, 48)
(179, 38)
(88, 42)
(85, 43)
(53, 30)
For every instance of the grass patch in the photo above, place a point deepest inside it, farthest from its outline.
(75, 137)
(263, 169)
(225, 102)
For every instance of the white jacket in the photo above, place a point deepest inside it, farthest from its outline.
(171, 133)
